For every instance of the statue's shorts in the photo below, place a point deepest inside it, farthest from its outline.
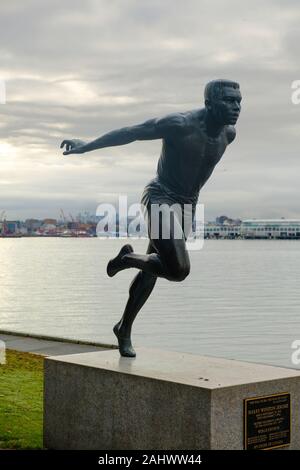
(183, 208)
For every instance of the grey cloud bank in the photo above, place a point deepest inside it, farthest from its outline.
(80, 69)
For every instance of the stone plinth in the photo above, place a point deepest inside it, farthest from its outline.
(159, 400)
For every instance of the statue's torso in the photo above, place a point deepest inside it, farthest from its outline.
(188, 159)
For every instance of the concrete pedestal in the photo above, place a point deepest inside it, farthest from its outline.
(159, 400)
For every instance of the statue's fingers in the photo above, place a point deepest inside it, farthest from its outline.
(69, 151)
(63, 144)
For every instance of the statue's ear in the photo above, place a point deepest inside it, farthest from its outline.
(207, 104)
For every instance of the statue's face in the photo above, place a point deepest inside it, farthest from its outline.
(226, 108)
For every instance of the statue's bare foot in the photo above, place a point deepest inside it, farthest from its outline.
(125, 346)
(115, 265)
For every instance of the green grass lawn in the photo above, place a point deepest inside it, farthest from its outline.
(21, 401)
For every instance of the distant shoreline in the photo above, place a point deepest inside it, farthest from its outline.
(144, 238)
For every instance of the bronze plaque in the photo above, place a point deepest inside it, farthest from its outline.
(267, 421)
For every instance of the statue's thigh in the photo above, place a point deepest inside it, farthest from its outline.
(170, 244)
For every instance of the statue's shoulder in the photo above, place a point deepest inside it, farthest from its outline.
(175, 118)
(194, 118)
(183, 121)
(230, 133)
(172, 121)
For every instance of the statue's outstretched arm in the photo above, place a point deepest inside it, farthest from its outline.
(157, 128)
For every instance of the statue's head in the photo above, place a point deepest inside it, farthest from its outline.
(223, 101)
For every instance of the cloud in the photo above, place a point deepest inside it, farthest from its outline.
(80, 69)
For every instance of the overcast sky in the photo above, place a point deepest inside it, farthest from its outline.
(81, 68)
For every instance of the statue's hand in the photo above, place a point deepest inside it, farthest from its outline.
(73, 146)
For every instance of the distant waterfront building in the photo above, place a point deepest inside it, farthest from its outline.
(32, 225)
(10, 227)
(224, 220)
(270, 228)
(50, 222)
(213, 230)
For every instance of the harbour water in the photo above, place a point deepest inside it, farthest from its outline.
(241, 300)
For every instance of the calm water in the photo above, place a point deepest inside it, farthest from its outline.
(241, 300)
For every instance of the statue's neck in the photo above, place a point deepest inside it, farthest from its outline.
(213, 127)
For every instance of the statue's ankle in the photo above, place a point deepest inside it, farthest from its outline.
(124, 333)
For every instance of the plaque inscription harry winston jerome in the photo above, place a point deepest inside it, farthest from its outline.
(267, 421)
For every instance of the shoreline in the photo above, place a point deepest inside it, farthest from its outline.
(45, 345)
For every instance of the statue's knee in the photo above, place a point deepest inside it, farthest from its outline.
(180, 273)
